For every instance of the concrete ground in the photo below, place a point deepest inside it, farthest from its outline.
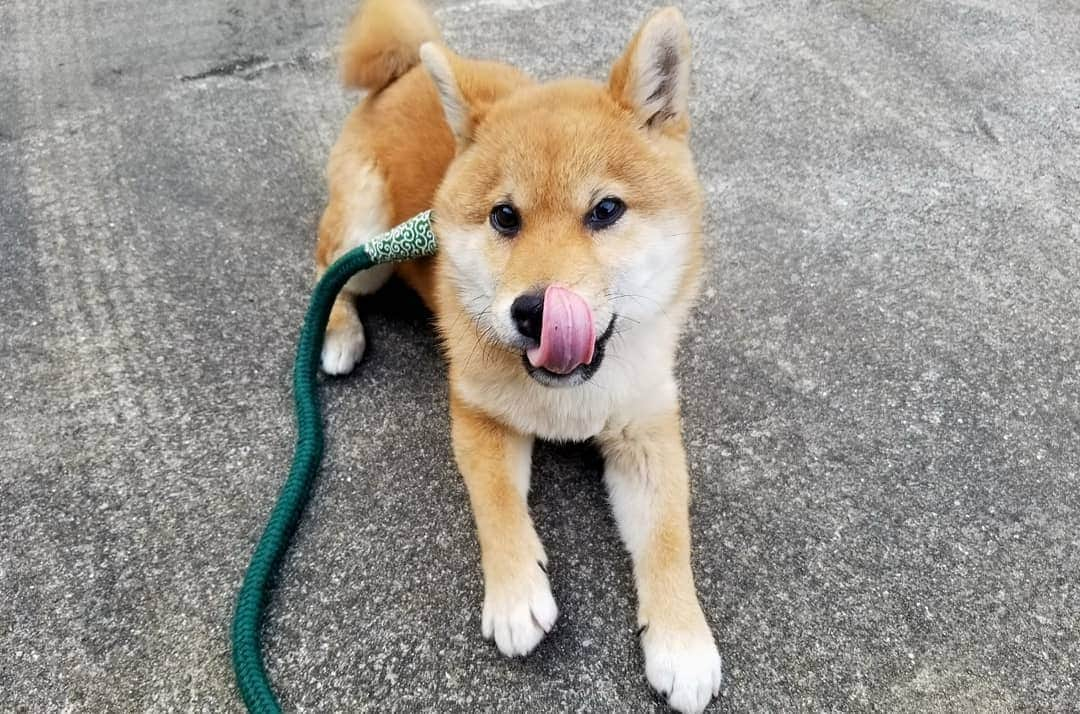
(880, 382)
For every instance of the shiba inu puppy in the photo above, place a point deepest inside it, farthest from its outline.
(568, 215)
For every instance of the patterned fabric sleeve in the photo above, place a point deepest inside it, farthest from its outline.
(412, 239)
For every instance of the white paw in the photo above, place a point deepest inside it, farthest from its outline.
(342, 349)
(683, 666)
(518, 613)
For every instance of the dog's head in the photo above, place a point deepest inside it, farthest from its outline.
(571, 212)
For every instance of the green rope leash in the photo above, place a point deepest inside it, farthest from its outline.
(412, 239)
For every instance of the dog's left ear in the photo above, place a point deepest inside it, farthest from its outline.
(440, 65)
(652, 78)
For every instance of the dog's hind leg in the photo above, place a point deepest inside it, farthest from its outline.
(357, 212)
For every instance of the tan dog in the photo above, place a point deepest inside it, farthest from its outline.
(569, 219)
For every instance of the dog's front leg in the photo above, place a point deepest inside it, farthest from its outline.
(648, 485)
(495, 462)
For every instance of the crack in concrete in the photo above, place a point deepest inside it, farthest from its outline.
(984, 126)
(228, 69)
(254, 66)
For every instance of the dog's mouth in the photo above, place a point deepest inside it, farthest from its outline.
(580, 374)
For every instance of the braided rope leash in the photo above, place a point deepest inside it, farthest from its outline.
(412, 239)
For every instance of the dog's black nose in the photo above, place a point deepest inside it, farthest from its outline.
(527, 311)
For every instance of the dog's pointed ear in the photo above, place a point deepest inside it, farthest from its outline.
(440, 65)
(652, 78)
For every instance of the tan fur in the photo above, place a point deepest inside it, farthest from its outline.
(382, 41)
(553, 149)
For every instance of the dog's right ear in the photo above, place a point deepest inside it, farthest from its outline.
(440, 65)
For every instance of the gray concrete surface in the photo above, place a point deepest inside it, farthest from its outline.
(881, 381)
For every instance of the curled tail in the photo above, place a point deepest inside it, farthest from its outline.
(383, 42)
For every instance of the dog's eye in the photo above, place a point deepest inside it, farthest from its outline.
(505, 219)
(604, 213)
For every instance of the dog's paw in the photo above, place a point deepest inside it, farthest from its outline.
(518, 611)
(342, 349)
(683, 666)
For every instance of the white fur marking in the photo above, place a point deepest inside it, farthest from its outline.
(521, 467)
(519, 613)
(342, 349)
(442, 74)
(649, 279)
(685, 665)
(475, 280)
(367, 282)
(632, 503)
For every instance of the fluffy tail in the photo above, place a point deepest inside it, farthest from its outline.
(383, 42)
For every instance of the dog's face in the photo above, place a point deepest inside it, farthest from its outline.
(572, 211)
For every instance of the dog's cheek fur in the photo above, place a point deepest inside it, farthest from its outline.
(474, 262)
(651, 267)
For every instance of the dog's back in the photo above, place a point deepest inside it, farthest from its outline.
(395, 145)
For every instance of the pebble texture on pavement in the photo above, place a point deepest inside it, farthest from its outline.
(880, 381)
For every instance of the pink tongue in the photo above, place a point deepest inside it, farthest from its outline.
(567, 336)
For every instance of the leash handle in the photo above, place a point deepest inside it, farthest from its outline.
(407, 241)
